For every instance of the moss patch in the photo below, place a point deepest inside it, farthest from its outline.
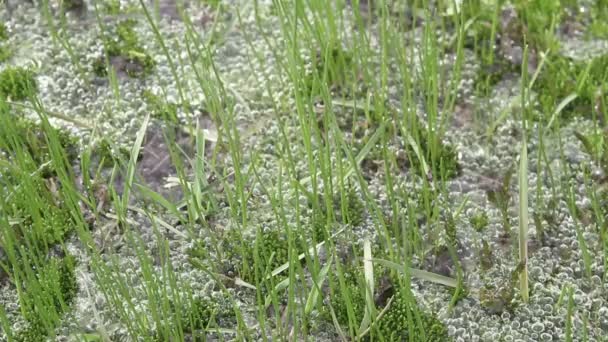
(3, 32)
(397, 323)
(441, 158)
(401, 319)
(236, 256)
(332, 67)
(160, 109)
(124, 51)
(17, 83)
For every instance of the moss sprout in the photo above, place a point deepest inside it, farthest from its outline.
(17, 83)
(479, 221)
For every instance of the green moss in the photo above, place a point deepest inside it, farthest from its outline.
(57, 280)
(35, 140)
(17, 83)
(161, 109)
(479, 221)
(211, 3)
(44, 220)
(123, 42)
(37, 205)
(234, 256)
(112, 7)
(355, 208)
(352, 295)
(440, 157)
(198, 314)
(273, 248)
(563, 76)
(333, 67)
(72, 5)
(599, 24)
(486, 258)
(404, 320)
(501, 198)
(3, 32)
(5, 53)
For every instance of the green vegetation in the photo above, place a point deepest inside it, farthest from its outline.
(335, 68)
(401, 315)
(5, 50)
(5, 53)
(161, 109)
(395, 324)
(479, 221)
(3, 32)
(122, 43)
(586, 79)
(442, 158)
(17, 83)
(330, 198)
(55, 284)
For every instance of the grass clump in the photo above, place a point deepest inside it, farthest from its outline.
(233, 256)
(563, 76)
(331, 67)
(441, 157)
(349, 209)
(402, 320)
(122, 43)
(51, 293)
(42, 221)
(596, 145)
(17, 83)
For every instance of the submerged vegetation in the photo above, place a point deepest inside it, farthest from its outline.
(309, 170)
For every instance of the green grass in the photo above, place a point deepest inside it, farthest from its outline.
(344, 220)
(17, 83)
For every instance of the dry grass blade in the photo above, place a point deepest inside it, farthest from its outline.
(424, 275)
(523, 220)
(368, 271)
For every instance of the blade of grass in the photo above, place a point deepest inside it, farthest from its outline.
(424, 275)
